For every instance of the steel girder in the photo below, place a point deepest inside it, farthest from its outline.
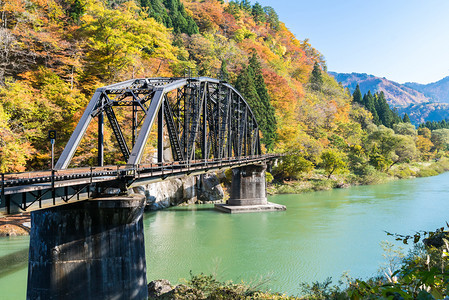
(204, 118)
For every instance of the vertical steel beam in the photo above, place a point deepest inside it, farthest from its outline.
(100, 139)
(3, 202)
(160, 134)
(204, 142)
(24, 201)
(134, 126)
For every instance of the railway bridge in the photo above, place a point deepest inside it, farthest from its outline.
(88, 244)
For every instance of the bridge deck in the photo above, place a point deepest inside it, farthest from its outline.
(27, 190)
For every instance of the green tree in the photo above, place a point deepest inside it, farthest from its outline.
(272, 17)
(394, 148)
(406, 118)
(405, 129)
(245, 5)
(333, 162)
(172, 14)
(258, 13)
(369, 102)
(440, 139)
(383, 110)
(292, 166)
(224, 74)
(316, 78)
(251, 84)
(357, 95)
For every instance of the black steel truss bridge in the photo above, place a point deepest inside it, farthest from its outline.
(204, 123)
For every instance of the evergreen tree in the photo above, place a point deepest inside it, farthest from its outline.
(251, 85)
(383, 110)
(316, 78)
(224, 74)
(406, 118)
(396, 118)
(172, 14)
(368, 101)
(258, 13)
(268, 110)
(272, 17)
(245, 5)
(357, 95)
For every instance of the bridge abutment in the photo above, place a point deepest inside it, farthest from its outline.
(88, 250)
(249, 191)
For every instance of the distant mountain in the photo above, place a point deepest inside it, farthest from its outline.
(437, 91)
(422, 102)
(420, 113)
(395, 93)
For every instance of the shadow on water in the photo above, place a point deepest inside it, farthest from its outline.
(13, 262)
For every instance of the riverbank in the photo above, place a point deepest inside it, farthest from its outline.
(208, 287)
(319, 181)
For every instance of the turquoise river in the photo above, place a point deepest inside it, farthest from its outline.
(321, 234)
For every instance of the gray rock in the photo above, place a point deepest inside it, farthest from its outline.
(210, 188)
(184, 190)
(158, 288)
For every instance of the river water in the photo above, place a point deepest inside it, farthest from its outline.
(321, 234)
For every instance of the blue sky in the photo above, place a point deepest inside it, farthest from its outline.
(397, 39)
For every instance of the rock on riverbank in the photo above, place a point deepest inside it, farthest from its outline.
(15, 225)
(184, 190)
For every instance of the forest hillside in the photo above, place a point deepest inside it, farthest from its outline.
(55, 53)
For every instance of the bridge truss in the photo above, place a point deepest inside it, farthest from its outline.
(204, 119)
(207, 122)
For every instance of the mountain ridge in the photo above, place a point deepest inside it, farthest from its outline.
(396, 94)
(438, 90)
(422, 102)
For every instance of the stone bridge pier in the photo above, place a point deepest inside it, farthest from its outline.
(249, 191)
(88, 250)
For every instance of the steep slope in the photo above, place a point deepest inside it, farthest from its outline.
(395, 93)
(438, 91)
(68, 48)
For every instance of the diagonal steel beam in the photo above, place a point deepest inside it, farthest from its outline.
(142, 138)
(80, 130)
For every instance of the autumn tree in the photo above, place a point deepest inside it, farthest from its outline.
(15, 150)
(117, 38)
(424, 146)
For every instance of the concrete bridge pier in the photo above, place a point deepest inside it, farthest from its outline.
(249, 191)
(88, 250)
